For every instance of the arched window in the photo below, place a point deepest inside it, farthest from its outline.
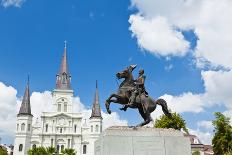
(28, 127)
(65, 107)
(20, 147)
(75, 128)
(91, 128)
(62, 147)
(69, 143)
(52, 142)
(17, 127)
(58, 148)
(59, 107)
(22, 127)
(84, 149)
(97, 128)
(60, 130)
(33, 146)
(46, 128)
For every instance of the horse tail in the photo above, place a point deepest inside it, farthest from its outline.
(164, 106)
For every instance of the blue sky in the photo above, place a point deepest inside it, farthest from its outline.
(100, 43)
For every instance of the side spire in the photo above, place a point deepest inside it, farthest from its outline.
(63, 77)
(96, 110)
(25, 108)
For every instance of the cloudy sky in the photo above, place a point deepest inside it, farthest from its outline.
(183, 45)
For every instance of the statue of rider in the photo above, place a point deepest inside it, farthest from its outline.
(139, 88)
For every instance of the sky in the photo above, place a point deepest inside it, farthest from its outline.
(184, 46)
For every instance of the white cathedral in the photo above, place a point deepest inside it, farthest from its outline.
(62, 128)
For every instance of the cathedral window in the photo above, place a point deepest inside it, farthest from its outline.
(17, 127)
(22, 127)
(46, 128)
(65, 107)
(29, 127)
(52, 142)
(58, 148)
(62, 148)
(20, 147)
(91, 128)
(60, 130)
(59, 107)
(97, 128)
(84, 149)
(69, 143)
(33, 146)
(75, 128)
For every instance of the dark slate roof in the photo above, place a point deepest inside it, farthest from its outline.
(63, 77)
(96, 110)
(25, 108)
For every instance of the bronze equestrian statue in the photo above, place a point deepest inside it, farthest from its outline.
(132, 94)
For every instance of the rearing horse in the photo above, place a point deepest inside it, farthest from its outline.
(145, 105)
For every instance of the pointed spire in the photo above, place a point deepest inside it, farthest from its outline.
(63, 77)
(64, 65)
(96, 110)
(25, 108)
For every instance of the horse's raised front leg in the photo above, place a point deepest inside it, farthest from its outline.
(109, 100)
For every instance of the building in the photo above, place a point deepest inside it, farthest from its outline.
(62, 128)
(197, 146)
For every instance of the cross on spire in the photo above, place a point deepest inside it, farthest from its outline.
(65, 44)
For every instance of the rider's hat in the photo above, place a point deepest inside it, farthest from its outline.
(141, 71)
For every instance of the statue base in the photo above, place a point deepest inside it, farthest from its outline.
(118, 140)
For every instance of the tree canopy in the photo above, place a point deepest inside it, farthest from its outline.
(2, 151)
(50, 151)
(222, 140)
(175, 122)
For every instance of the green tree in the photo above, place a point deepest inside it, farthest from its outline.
(2, 151)
(51, 150)
(69, 152)
(175, 122)
(222, 140)
(196, 153)
(40, 151)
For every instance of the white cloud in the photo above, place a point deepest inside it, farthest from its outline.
(157, 36)
(210, 19)
(40, 102)
(186, 102)
(217, 92)
(15, 3)
(207, 125)
(8, 104)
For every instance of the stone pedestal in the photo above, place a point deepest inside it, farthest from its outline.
(142, 141)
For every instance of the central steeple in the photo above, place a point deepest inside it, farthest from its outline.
(63, 78)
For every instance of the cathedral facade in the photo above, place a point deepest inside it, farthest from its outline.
(62, 128)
